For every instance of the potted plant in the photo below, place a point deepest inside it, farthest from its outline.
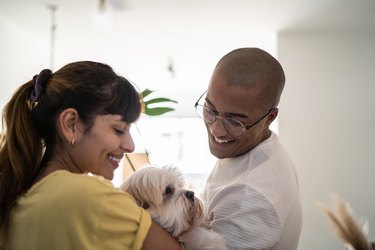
(151, 106)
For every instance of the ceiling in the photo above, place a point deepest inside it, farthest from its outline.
(168, 25)
(145, 32)
(275, 15)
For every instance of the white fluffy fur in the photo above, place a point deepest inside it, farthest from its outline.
(162, 192)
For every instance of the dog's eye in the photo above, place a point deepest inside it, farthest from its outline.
(168, 190)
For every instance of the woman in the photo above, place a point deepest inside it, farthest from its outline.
(59, 127)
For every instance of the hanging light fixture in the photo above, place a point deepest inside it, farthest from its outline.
(52, 9)
(102, 16)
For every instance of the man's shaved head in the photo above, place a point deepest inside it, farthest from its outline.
(253, 68)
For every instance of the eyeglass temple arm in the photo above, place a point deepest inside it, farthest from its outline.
(196, 103)
(255, 123)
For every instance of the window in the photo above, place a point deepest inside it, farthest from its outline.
(181, 142)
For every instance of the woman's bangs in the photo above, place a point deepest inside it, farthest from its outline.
(124, 100)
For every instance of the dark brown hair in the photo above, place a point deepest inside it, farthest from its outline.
(31, 133)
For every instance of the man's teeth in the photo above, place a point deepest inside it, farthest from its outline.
(221, 141)
(112, 158)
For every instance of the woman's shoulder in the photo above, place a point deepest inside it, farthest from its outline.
(72, 187)
(67, 180)
(87, 206)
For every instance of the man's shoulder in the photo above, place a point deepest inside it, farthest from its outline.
(239, 195)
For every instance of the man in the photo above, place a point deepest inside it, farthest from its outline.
(252, 192)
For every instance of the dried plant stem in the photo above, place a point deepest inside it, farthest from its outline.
(345, 226)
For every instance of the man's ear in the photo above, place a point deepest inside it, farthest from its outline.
(272, 116)
(68, 120)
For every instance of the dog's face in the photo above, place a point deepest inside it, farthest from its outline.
(162, 192)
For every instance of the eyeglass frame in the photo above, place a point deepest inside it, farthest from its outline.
(244, 127)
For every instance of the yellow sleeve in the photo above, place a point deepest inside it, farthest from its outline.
(122, 222)
(76, 211)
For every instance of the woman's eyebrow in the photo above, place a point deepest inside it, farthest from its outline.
(119, 122)
(227, 114)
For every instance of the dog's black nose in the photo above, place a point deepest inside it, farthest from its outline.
(189, 195)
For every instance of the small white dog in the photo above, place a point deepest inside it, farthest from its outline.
(162, 192)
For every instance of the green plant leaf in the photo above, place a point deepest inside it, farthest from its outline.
(160, 99)
(157, 111)
(146, 92)
(155, 108)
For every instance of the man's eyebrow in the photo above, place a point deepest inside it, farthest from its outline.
(209, 102)
(227, 114)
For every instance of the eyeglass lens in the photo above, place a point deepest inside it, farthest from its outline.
(232, 125)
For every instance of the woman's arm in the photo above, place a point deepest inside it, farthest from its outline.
(157, 238)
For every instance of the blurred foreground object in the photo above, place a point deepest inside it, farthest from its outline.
(346, 226)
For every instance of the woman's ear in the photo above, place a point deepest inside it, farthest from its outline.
(68, 120)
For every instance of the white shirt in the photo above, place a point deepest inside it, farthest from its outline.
(253, 200)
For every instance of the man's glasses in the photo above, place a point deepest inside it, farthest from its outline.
(231, 125)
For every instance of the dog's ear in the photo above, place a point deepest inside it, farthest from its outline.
(133, 191)
(138, 198)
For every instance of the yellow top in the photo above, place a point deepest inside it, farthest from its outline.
(76, 211)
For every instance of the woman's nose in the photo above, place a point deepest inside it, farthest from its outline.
(128, 144)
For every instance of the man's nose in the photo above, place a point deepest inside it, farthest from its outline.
(217, 128)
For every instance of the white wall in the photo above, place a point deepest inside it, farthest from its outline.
(22, 55)
(327, 123)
